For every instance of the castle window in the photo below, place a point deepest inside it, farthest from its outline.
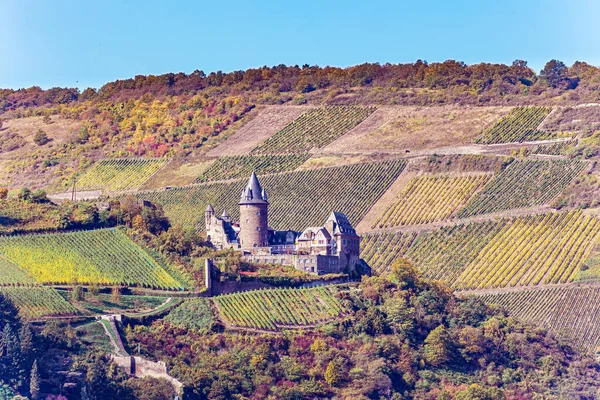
(247, 221)
(258, 213)
(258, 228)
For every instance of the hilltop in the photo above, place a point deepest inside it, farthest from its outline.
(475, 190)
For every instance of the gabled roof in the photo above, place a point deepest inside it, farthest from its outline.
(341, 225)
(307, 234)
(253, 193)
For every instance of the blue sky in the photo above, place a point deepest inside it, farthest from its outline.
(84, 43)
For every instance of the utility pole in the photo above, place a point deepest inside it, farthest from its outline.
(74, 193)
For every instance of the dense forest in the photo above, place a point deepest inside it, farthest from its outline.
(446, 82)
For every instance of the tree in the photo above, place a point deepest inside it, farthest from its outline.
(404, 274)
(556, 74)
(39, 196)
(137, 223)
(83, 135)
(437, 347)
(115, 295)
(78, 294)
(34, 382)
(334, 373)
(3, 193)
(40, 138)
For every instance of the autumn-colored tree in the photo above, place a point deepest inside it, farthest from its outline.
(115, 295)
(3, 193)
(477, 392)
(138, 223)
(334, 373)
(404, 274)
(319, 346)
(437, 347)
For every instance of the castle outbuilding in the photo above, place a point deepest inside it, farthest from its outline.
(331, 248)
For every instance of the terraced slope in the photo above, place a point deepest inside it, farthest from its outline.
(37, 302)
(103, 256)
(533, 250)
(520, 125)
(279, 308)
(119, 174)
(524, 251)
(352, 189)
(571, 311)
(444, 253)
(554, 149)
(236, 167)
(12, 275)
(315, 128)
(427, 199)
(524, 184)
(380, 250)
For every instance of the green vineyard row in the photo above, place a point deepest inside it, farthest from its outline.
(315, 128)
(274, 309)
(427, 199)
(37, 302)
(119, 174)
(523, 251)
(103, 257)
(523, 184)
(573, 312)
(352, 189)
(520, 125)
(235, 167)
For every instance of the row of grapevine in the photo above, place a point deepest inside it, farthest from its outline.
(572, 311)
(103, 256)
(278, 308)
(315, 128)
(427, 199)
(520, 125)
(443, 254)
(12, 275)
(524, 183)
(380, 250)
(37, 302)
(554, 149)
(351, 189)
(119, 174)
(534, 250)
(242, 166)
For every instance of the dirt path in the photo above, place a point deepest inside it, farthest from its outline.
(110, 337)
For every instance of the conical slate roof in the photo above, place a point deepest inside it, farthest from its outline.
(253, 193)
(210, 209)
(225, 214)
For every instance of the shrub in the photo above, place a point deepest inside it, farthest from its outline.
(40, 138)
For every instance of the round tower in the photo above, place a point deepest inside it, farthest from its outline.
(254, 219)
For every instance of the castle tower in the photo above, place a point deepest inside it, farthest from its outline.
(254, 221)
(208, 217)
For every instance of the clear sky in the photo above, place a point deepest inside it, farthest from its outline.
(80, 43)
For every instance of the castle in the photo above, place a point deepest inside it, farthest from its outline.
(331, 248)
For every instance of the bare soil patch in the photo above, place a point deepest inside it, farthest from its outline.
(401, 128)
(59, 131)
(267, 123)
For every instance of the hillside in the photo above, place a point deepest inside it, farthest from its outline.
(471, 186)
